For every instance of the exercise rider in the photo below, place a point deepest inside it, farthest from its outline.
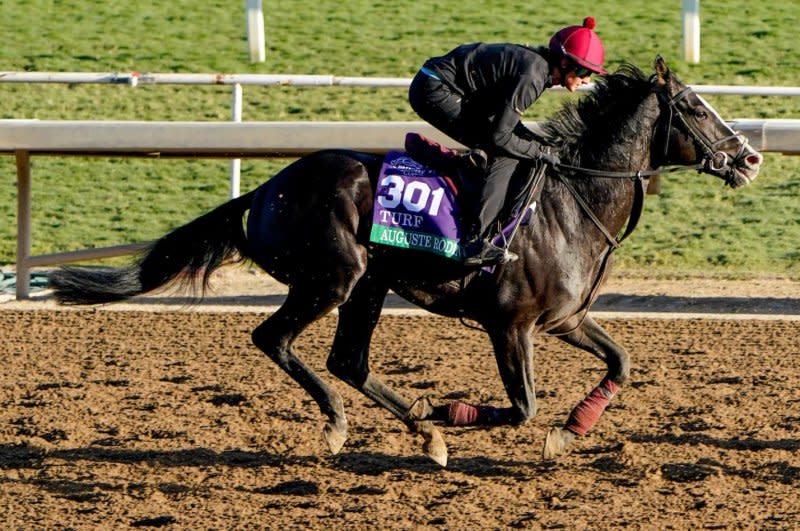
(477, 94)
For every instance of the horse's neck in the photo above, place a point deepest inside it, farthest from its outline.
(629, 150)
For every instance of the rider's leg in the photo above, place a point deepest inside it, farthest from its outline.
(488, 202)
(438, 105)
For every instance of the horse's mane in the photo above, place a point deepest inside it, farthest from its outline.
(585, 124)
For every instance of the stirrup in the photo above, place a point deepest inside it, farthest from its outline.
(488, 254)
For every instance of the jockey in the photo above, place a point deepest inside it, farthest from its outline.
(477, 94)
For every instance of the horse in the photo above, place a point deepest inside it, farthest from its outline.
(309, 227)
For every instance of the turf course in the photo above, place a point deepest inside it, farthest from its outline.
(695, 227)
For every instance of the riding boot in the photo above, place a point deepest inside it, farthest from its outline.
(479, 251)
(486, 205)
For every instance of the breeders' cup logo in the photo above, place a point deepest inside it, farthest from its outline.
(409, 166)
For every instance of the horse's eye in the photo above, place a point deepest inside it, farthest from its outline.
(700, 114)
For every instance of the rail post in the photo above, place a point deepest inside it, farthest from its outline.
(236, 164)
(23, 223)
(691, 31)
(255, 31)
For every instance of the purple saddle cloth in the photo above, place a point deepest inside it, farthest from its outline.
(415, 208)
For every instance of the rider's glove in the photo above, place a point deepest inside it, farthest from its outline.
(549, 156)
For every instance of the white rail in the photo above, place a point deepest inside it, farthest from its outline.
(23, 138)
(135, 79)
(270, 139)
(139, 78)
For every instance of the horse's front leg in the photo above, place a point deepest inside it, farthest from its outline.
(591, 337)
(514, 354)
(349, 361)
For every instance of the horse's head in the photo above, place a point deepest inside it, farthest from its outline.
(698, 135)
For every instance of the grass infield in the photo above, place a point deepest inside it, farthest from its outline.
(695, 227)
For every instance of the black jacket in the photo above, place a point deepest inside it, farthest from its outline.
(497, 82)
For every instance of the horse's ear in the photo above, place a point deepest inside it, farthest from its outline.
(662, 70)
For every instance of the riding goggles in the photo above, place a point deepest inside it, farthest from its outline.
(582, 71)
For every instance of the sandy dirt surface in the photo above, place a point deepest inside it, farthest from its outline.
(151, 418)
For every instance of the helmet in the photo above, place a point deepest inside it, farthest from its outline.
(581, 44)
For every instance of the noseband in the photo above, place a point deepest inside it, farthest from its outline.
(714, 160)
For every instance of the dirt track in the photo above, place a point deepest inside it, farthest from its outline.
(113, 419)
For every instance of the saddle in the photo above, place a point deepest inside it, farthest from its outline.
(456, 167)
(462, 169)
(415, 207)
(422, 195)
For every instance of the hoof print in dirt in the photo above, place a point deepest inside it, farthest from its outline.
(228, 400)
(176, 379)
(686, 472)
(292, 488)
(158, 521)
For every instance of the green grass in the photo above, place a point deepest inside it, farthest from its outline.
(695, 226)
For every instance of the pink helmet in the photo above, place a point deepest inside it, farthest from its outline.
(581, 44)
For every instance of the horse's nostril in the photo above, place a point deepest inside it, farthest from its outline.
(754, 159)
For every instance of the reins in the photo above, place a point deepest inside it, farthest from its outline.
(638, 204)
(713, 160)
(629, 174)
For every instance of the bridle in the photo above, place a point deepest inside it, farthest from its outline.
(714, 160)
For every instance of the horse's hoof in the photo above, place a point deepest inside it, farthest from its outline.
(556, 443)
(421, 409)
(434, 446)
(335, 437)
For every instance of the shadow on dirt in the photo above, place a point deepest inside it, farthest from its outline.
(376, 464)
(608, 302)
(728, 444)
(28, 456)
(363, 463)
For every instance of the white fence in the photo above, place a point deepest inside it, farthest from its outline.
(139, 78)
(134, 79)
(237, 81)
(23, 138)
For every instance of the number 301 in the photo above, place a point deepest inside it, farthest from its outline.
(414, 197)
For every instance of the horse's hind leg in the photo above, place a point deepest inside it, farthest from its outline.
(276, 335)
(349, 361)
(513, 350)
(591, 337)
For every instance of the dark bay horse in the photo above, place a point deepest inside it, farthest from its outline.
(309, 228)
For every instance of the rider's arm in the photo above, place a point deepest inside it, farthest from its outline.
(508, 119)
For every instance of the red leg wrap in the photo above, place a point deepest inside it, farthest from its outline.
(585, 414)
(461, 414)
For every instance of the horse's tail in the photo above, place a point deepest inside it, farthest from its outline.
(199, 247)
